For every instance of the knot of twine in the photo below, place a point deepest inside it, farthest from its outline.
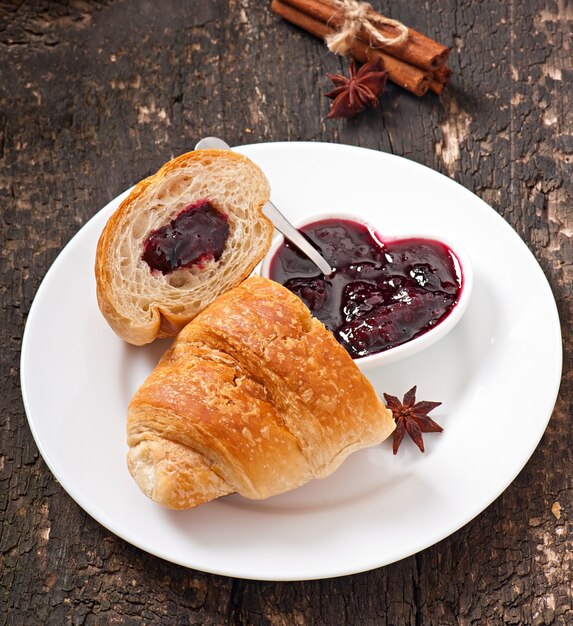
(358, 16)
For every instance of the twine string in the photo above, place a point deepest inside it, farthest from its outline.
(358, 16)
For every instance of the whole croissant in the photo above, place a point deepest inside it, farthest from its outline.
(255, 396)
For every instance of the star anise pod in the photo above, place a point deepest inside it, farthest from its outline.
(363, 88)
(411, 417)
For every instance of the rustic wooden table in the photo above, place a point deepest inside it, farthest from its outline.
(95, 95)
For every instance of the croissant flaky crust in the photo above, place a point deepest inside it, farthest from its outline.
(141, 305)
(255, 396)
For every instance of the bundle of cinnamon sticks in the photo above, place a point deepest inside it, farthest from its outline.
(417, 64)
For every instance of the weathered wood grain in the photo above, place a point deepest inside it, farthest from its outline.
(96, 95)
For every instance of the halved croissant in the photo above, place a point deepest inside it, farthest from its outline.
(141, 303)
(255, 396)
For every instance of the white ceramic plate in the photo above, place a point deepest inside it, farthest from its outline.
(497, 374)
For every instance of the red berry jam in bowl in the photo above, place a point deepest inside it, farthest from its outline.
(384, 293)
(197, 234)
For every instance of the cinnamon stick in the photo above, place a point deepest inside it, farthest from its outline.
(417, 50)
(437, 87)
(442, 74)
(412, 78)
(439, 79)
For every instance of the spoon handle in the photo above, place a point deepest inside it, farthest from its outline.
(279, 221)
(212, 143)
(294, 236)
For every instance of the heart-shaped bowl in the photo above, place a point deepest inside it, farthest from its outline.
(424, 340)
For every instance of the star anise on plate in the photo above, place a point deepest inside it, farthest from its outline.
(363, 88)
(411, 417)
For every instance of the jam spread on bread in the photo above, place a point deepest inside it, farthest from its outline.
(197, 234)
(382, 293)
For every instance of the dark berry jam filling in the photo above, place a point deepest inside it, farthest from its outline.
(381, 293)
(196, 235)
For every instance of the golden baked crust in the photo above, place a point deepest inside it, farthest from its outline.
(255, 396)
(141, 305)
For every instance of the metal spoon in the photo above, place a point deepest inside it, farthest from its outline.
(277, 218)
